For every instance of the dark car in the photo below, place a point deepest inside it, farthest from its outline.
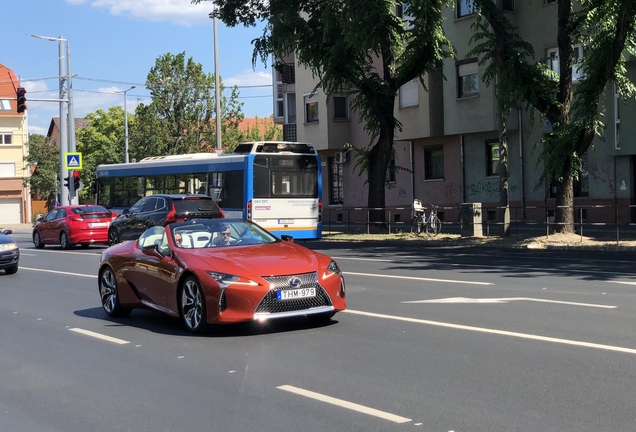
(160, 210)
(71, 225)
(9, 253)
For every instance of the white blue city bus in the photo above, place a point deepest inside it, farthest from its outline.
(274, 183)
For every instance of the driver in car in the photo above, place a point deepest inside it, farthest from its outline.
(223, 237)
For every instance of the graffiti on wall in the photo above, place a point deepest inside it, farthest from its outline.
(489, 188)
(601, 175)
(452, 192)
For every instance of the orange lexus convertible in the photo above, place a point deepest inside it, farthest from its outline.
(216, 271)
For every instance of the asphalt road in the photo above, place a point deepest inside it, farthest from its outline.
(435, 339)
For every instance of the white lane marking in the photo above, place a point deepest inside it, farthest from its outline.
(506, 300)
(99, 336)
(497, 332)
(26, 254)
(60, 251)
(419, 278)
(58, 272)
(623, 282)
(345, 404)
(536, 269)
(363, 259)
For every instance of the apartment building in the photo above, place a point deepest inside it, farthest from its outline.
(449, 140)
(15, 201)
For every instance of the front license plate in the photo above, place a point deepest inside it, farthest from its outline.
(98, 224)
(296, 293)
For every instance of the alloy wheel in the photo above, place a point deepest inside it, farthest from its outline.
(192, 305)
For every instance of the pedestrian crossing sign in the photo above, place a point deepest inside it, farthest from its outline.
(73, 161)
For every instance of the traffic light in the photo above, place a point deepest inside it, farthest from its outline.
(66, 181)
(21, 96)
(76, 180)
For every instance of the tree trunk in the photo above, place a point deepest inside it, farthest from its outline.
(564, 212)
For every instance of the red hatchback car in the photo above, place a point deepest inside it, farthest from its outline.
(72, 225)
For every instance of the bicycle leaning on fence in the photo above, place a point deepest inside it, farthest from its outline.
(420, 222)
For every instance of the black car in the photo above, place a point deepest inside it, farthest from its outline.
(9, 253)
(160, 209)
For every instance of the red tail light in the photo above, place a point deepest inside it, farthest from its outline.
(249, 210)
(114, 215)
(171, 217)
(75, 218)
(319, 211)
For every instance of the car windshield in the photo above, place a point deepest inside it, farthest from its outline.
(212, 233)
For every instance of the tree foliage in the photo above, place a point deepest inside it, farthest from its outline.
(102, 141)
(45, 157)
(180, 117)
(605, 29)
(358, 46)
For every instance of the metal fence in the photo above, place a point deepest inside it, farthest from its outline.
(603, 222)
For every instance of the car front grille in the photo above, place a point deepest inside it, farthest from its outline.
(271, 305)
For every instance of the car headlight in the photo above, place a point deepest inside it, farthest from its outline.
(332, 269)
(224, 279)
(8, 247)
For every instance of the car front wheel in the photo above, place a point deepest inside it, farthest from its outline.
(110, 295)
(37, 240)
(192, 305)
(64, 242)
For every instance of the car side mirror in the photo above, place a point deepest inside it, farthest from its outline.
(7, 232)
(287, 238)
(126, 212)
(40, 219)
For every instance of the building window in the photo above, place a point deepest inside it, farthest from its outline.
(5, 105)
(390, 170)
(434, 163)
(336, 197)
(290, 111)
(7, 169)
(6, 138)
(468, 79)
(577, 70)
(340, 108)
(311, 108)
(617, 118)
(408, 94)
(465, 7)
(507, 5)
(492, 158)
(403, 12)
(279, 101)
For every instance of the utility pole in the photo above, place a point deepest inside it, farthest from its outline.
(65, 197)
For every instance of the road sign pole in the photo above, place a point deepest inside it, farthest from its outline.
(64, 196)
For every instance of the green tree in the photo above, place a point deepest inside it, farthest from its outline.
(46, 160)
(179, 119)
(359, 45)
(101, 142)
(605, 29)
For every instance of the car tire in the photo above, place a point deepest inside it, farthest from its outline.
(64, 242)
(11, 270)
(192, 305)
(37, 240)
(113, 237)
(109, 294)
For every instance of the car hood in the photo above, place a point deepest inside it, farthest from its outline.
(5, 239)
(280, 258)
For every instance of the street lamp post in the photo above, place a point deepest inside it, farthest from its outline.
(126, 121)
(67, 121)
(217, 87)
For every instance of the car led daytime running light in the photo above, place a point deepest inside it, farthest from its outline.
(225, 279)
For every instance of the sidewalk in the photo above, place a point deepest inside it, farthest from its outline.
(17, 227)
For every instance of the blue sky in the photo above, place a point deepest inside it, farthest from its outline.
(114, 43)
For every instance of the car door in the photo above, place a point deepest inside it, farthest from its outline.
(127, 224)
(57, 225)
(155, 272)
(45, 227)
(143, 219)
